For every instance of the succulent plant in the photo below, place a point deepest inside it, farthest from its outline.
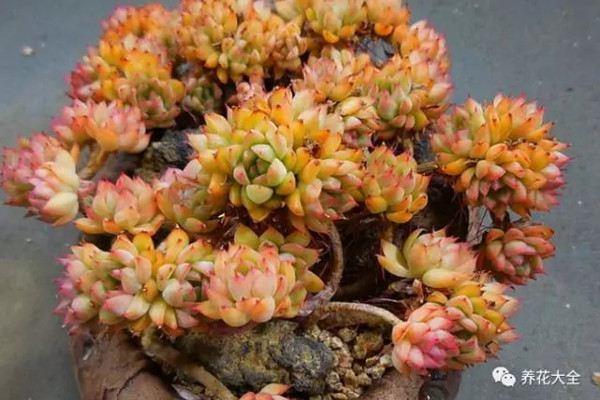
(400, 102)
(296, 243)
(151, 21)
(125, 206)
(387, 15)
(455, 331)
(137, 77)
(279, 151)
(361, 121)
(148, 86)
(338, 75)
(273, 391)
(290, 10)
(113, 126)
(20, 163)
(482, 310)
(425, 341)
(258, 278)
(501, 156)
(335, 74)
(307, 113)
(287, 47)
(202, 93)
(205, 24)
(155, 284)
(240, 39)
(426, 57)
(86, 79)
(190, 197)
(392, 185)
(54, 197)
(84, 285)
(424, 50)
(441, 262)
(334, 20)
(515, 255)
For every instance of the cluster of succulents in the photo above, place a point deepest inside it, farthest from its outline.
(501, 155)
(454, 330)
(41, 175)
(295, 128)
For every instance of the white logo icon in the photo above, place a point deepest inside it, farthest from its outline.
(503, 375)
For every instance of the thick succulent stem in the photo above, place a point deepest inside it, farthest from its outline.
(476, 216)
(408, 145)
(337, 314)
(335, 274)
(427, 167)
(96, 160)
(172, 358)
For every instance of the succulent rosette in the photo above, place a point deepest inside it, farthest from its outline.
(156, 283)
(54, 196)
(419, 43)
(387, 15)
(516, 255)
(148, 85)
(296, 243)
(150, 22)
(135, 73)
(335, 74)
(500, 155)
(399, 101)
(287, 48)
(426, 58)
(425, 341)
(441, 262)
(273, 391)
(258, 278)
(114, 126)
(86, 79)
(19, 165)
(190, 197)
(128, 205)
(282, 150)
(393, 186)
(360, 121)
(482, 311)
(334, 20)
(84, 285)
(205, 24)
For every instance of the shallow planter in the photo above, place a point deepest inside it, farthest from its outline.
(111, 366)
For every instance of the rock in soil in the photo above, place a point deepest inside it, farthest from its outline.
(268, 353)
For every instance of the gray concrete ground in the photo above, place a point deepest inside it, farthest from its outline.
(547, 49)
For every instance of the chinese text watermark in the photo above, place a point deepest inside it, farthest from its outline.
(540, 377)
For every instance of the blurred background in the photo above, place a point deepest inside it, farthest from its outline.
(548, 50)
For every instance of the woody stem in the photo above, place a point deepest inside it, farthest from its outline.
(346, 314)
(335, 274)
(427, 167)
(96, 160)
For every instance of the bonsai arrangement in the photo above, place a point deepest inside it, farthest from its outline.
(277, 201)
